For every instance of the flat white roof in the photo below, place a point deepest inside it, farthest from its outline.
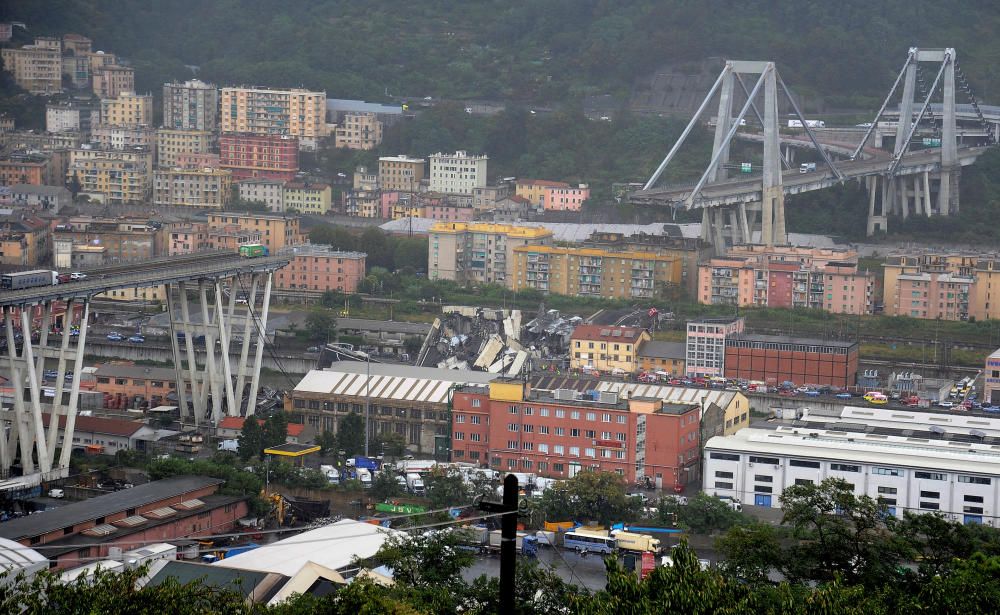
(674, 395)
(398, 382)
(331, 546)
(863, 448)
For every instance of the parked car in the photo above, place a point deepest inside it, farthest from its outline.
(115, 337)
(137, 339)
(51, 374)
(57, 493)
(843, 396)
(76, 275)
(946, 404)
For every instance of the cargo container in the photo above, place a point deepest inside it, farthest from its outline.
(253, 250)
(29, 279)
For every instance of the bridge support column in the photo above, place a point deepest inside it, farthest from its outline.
(927, 193)
(248, 320)
(261, 340)
(772, 193)
(877, 219)
(28, 433)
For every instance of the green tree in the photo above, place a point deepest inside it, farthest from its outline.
(838, 533)
(446, 488)
(390, 444)
(703, 514)
(385, 486)
(327, 441)
(351, 435)
(429, 567)
(590, 496)
(375, 244)
(749, 552)
(321, 325)
(275, 430)
(251, 439)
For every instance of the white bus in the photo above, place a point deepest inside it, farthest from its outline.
(585, 541)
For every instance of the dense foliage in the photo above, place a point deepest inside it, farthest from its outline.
(518, 49)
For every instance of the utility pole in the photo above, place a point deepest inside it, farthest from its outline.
(508, 540)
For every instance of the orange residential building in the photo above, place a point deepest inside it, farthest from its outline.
(187, 239)
(276, 231)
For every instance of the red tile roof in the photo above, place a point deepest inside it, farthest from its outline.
(606, 333)
(236, 422)
(94, 424)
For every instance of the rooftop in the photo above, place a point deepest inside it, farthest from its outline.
(486, 227)
(398, 382)
(95, 424)
(103, 505)
(542, 182)
(663, 350)
(113, 370)
(387, 326)
(669, 394)
(313, 249)
(607, 333)
(601, 252)
(787, 339)
(333, 546)
(245, 582)
(345, 104)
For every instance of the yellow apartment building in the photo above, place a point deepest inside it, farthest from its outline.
(113, 176)
(606, 348)
(592, 272)
(478, 252)
(295, 112)
(36, 68)
(128, 109)
(202, 188)
(400, 173)
(170, 144)
(276, 232)
(359, 131)
(307, 198)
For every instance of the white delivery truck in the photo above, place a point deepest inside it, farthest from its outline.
(414, 483)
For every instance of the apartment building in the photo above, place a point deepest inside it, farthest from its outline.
(25, 241)
(261, 190)
(706, 345)
(788, 277)
(127, 109)
(361, 131)
(295, 112)
(565, 198)
(201, 188)
(400, 173)
(250, 156)
(188, 238)
(193, 160)
(458, 173)
(113, 176)
(948, 286)
(478, 252)
(277, 232)
(25, 168)
(485, 199)
(112, 81)
(36, 68)
(71, 116)
(108, 136)
(307, 198)
(511, 426)
(171, 143)
(689, 252)
(443, 207)
(230, 237)
(534, 190)
(76, 44)
(592, 272)
(192, 105)
(606, 348)
(321, 268)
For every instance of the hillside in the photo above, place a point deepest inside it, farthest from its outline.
(528, 50)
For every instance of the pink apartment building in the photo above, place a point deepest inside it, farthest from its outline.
(317, 267)
(787, 277)
(565, 198)
(187, 239)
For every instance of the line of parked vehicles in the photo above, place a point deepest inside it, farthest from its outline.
(38, 277)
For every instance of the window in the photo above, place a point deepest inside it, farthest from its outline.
(762, 488)
(605, 435)
(575, 415)
(721, 474)
(476, 402)
(976, 480)
(931, 494)
(975, 510)
(761, 478)
(724, 456)
(574, 451)
(543, 412)
(459, 418)
(528, 428)
(528, 411)
(560, 414)
(512, 444)
(931, 475)
(723, 485)
(887, 490)
(475, 437)
(770, 460)
(606, 418)
(888, 471)
(978, 499)
(844, 467)
(543, 429)
(459, 435)
(543, 448)
(929, 505)
(528, 446)
(620, 436)
(803, 481)
(621, 419)
(557, 467)
(590, 433)
(574, 433)
(512, 427)
(512, 410)
(474, 419)
(558, 449)
(560, 431)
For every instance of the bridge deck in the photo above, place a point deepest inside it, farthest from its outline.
(739, 190)
(140, 275)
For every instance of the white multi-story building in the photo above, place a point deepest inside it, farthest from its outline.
(913, 460)
(706, 345)
(192, 105)
(457, 173)
(264, 190)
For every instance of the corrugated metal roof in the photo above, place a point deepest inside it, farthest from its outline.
(396, 382)
(670, 394)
